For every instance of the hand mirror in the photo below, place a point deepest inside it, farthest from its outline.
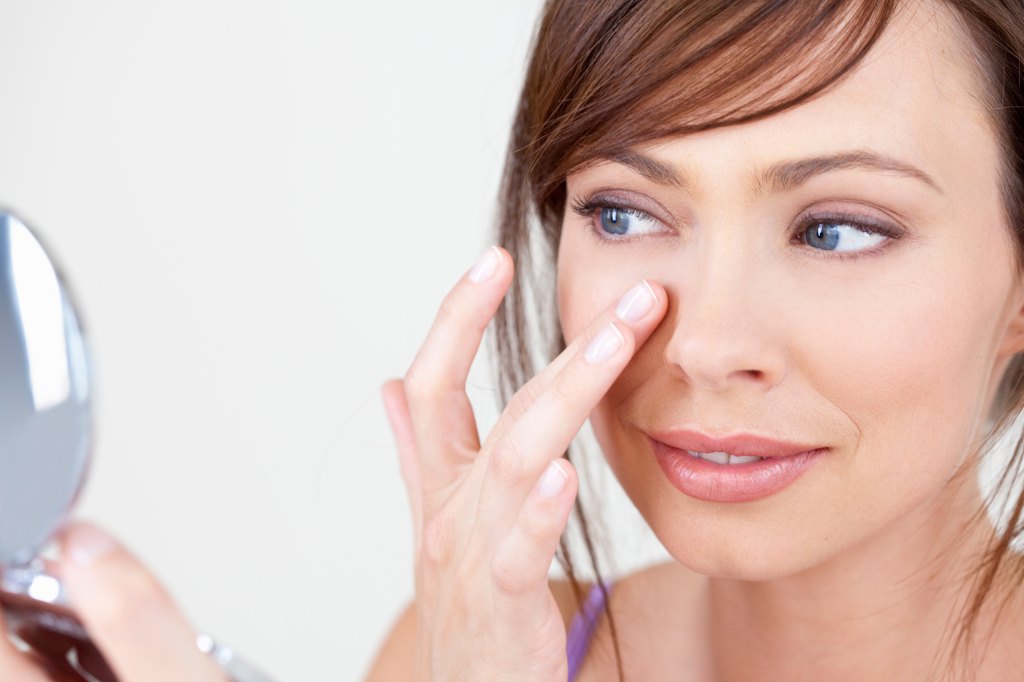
(45, 444)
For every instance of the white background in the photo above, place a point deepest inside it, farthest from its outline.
(259, 206)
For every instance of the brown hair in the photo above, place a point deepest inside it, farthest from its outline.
(607, 75)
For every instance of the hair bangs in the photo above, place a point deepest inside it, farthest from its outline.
(654, 70)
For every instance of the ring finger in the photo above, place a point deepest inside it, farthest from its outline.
(517, 457)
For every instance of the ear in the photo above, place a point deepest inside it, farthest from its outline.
(1013, 335)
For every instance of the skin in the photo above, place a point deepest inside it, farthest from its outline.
(891, 359)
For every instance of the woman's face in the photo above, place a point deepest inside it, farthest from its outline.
(882, 338)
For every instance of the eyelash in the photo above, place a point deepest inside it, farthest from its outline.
(588, 208)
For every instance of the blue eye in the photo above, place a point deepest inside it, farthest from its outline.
(612, 222)
(828, 234)
(615, 221)
(841, 237)
(624, 222)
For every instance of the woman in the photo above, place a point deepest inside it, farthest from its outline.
(779, 229)
(787, 230)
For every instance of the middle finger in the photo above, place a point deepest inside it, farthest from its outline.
(518, 455)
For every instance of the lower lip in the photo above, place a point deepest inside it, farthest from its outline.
(713, 482)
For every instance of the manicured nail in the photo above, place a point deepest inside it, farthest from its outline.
(486, 265)
(636, 303)
(604, 345)
(552, 482)
(85, 544)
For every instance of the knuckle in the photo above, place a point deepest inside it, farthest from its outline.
(562, 387)
(409, 479)
(438, 541)
(138, 597)
(448, 311)
(506, 462)
(536, 527)
(522, 400)
(506, 576)
(419, 385)
(531, 391)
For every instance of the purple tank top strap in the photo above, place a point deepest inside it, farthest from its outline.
(577, 641)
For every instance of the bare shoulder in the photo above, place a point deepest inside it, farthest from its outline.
(659, 588)
(641, 592)
(396, 658)
(654, 605)
(566, 598)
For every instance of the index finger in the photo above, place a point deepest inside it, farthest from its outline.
(15, 665)
(128, 614)
(435, 384)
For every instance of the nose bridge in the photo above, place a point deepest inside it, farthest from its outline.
(722, 330)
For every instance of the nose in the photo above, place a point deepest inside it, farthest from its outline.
(725, 325)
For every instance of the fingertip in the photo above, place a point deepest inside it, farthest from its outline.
(567, 467)
(570, 472)
(659, 291)
(654, 285)
(396, 407)
(506, 256)
(84, 543)
(487, 265)
(389, 390)
(556, 479)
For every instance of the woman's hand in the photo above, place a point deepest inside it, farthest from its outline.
(131, 619)
(487, 518)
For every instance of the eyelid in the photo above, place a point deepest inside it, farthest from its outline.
(859, 221)
(590, 208)
(855, 219)
(586, 205)
(626, 200)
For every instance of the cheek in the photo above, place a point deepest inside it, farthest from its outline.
(915, 384)
(908, 360)
(585, 292)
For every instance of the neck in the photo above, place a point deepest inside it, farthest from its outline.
(884, 609)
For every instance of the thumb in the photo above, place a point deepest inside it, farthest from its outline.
(396, 407)
(128, 614)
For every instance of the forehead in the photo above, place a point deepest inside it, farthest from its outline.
(917, 96)
(918, 83)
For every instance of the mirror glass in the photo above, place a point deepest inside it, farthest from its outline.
(45, 396)
(45, 445)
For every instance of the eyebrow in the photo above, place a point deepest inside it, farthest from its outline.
(785, 175)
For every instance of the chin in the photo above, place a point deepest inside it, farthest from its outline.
(749, 541)
(739, 562)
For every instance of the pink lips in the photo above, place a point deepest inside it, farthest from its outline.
(784, 462)
(742, 444)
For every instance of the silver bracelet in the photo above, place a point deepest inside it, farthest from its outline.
(236, 669)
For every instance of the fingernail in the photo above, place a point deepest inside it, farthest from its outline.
(636, 303)
(552, 481)
(604, 345)
(486, 265)
(85, 544)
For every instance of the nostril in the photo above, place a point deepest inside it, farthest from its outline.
(714, 359)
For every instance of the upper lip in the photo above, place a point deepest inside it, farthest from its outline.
(739, 444)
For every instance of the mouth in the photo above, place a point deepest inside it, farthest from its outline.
(723, 457)
(737, 468)
(741, 446)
